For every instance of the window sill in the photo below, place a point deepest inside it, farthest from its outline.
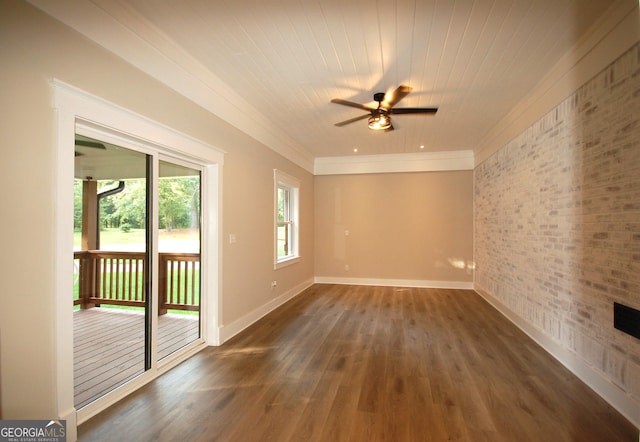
(286, 262)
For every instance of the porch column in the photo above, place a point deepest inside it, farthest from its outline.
(89, 240)
(89, 214)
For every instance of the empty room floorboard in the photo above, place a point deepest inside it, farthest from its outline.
(358, 363)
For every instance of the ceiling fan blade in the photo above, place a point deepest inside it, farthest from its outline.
(352, 120)
(352, 104)
(414, 110)
(92, 144)
(394, 97)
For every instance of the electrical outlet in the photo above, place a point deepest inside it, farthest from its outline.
(626, 319)
(274, 284)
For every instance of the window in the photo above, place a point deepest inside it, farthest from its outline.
(286, 189)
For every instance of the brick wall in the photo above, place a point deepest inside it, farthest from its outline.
(557, 222)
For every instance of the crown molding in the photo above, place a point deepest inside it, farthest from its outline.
(393, 163)
(610, 37)
(125, 33)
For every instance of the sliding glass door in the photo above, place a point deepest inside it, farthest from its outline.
(132, 210)
(179, 220)
(112, 252)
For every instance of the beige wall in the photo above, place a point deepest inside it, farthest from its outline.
(402, 226)
(33, 50)
(248, 214)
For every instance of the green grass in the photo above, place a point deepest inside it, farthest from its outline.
(115, 236)
(124, 282)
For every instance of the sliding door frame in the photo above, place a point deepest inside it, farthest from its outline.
(77, 110)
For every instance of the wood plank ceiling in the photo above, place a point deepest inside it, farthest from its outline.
(284, 60)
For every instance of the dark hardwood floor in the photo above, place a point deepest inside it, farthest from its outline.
(353, 363)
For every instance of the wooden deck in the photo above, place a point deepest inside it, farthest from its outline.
(109, 347)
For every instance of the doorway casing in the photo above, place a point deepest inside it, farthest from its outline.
(76, 109)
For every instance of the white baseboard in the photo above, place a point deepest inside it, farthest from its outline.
(395, 282)
(622, 402)
(228, 331)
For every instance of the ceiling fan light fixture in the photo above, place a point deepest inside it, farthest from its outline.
(379, 118)
(379, 121)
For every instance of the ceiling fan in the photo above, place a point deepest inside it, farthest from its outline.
(380, 116)
(87, 143)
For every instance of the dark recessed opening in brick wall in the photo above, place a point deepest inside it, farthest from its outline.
(626, 319)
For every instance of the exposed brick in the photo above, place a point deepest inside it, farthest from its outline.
(557, 222)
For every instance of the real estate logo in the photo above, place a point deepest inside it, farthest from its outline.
(33, 431)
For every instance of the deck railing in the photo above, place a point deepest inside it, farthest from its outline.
(118, 278)
(179, 281)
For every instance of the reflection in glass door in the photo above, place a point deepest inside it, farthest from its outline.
(112, 252)
(179, 254)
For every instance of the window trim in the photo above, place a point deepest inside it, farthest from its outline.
(282, 179)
